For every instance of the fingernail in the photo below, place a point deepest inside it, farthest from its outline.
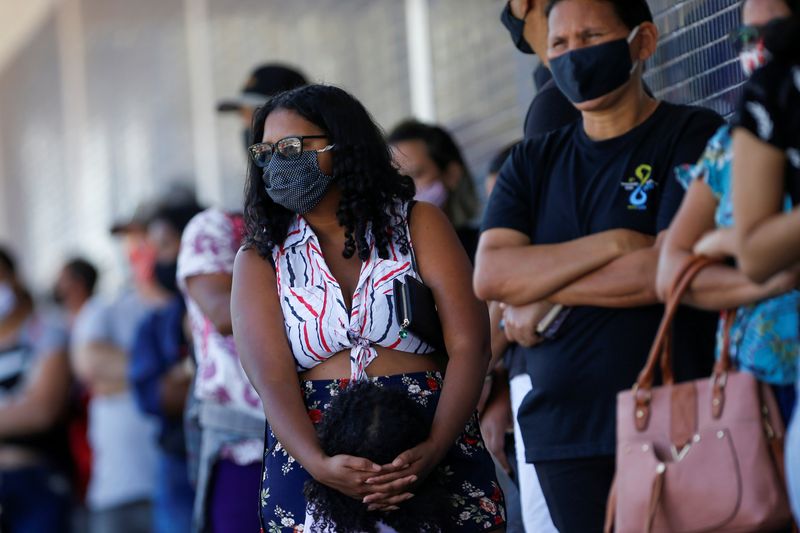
(371, 507)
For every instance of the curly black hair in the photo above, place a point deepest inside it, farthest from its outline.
(362, 168)
(377, 423)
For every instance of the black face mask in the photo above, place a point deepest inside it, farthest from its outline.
(588, 73)
(166, 274)
(516, 28)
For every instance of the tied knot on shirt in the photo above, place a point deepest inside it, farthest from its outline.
(361, 355)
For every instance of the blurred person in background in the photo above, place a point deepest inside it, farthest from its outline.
(526, 23)
(765, 332)
(161, 372)
(74, 287)
(123, 440)
(766, 167)
(498, 418)
(231, 417)
(430, 156)
(573, 220)
(35, 493)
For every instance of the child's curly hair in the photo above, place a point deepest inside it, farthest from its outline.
(377, 423)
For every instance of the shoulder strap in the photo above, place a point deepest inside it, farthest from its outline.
(410, 207)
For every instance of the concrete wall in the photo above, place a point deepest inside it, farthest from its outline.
(112, 100)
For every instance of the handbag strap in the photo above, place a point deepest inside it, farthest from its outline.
(409, 208)
(661, 351)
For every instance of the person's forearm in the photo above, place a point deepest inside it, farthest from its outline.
(173, 389)
(499, 341)
(289, 421)
(99, 363)
(720, 287)
(22, 417)
(525, 274)
(625, 282)
(466, 371)
(770, 247)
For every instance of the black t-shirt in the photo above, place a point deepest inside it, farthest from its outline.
(550, 109)
(564, 186)
(770, 110)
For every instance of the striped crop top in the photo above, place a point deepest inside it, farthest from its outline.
(315, 316)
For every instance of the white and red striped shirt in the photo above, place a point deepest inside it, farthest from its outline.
(316, 318)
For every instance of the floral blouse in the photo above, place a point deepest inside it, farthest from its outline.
(765, 335)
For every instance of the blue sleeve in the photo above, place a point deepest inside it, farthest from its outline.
(511, 203)
(713, 168)
(147, 366)
(699, 128)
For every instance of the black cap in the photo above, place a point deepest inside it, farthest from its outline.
(265, 81)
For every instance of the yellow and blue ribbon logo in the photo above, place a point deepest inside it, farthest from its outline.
(639, 187)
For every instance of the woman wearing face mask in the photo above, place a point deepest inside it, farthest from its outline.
(766, 329)
(766, 167)
(34, 392)
(330, 226)
(430, 156)
(575, 219)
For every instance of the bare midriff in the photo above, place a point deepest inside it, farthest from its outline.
(388, 363)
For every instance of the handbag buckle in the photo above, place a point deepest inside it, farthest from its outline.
(642, 398)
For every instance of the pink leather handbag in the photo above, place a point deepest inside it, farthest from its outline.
(705, 455)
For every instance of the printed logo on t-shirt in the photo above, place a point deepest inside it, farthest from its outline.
(639, 186)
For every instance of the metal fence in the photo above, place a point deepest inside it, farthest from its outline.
(114, 99)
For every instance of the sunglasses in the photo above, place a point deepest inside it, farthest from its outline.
(288, 147)
(746, 36)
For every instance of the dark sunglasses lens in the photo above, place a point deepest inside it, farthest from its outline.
(261, 154)
(744, 37)
(291, 147)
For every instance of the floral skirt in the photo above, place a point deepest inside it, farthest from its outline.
(467, 470)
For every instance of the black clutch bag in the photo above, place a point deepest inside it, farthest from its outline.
(416, 312)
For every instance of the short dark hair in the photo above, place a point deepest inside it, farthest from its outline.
(630, 12)
(7, 261)
(177, 216)
(83, 271)
(442, 148)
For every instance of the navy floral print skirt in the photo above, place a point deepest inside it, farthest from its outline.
(467, 470)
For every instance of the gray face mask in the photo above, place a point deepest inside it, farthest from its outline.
(297, 184)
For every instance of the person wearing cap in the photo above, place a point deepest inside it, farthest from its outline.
(264, 82)
(526, 23)
(123, 440)
(230, 413)
(549, 110)
(576, 219)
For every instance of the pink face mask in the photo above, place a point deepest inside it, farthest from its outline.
(753, 57)
(435, 193)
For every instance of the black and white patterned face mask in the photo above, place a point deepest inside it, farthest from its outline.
(297, 184)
